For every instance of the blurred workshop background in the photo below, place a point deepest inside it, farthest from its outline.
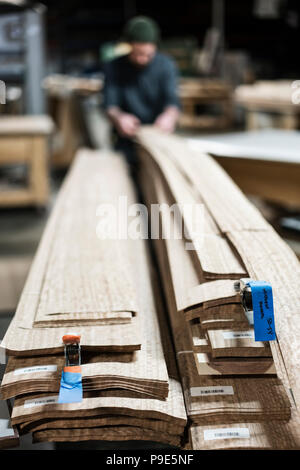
(239, 88)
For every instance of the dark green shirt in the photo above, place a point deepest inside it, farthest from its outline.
(144, 92)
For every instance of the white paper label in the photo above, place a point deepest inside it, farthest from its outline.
(238, 334)
(41, 401)
(31, 370)
(202, 357)
(5, 428)
(206, 391)
(226, 433)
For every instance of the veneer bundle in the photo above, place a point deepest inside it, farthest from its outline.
(77, 279)
(267, 435)
(85, 279)
(227, 376)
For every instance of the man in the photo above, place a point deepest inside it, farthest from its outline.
(140, 88)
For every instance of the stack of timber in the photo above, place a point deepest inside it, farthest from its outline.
(65, 97)
(86, 280)
(239, 393)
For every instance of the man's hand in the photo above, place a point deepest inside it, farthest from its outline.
(126, 124)
(166, 121)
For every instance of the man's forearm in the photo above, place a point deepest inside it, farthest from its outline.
(172, 114)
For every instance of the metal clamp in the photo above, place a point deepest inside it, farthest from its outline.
(244, 289)
(72, 350)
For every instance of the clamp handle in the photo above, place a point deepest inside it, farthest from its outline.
(72, 350)
(71, 339)
(242, 286)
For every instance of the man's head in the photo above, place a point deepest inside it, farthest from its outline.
(143, 35)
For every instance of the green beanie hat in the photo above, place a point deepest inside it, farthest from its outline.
(142, 29)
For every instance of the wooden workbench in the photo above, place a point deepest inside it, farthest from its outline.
(24, 140)
(272, 98)
(195, 92)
